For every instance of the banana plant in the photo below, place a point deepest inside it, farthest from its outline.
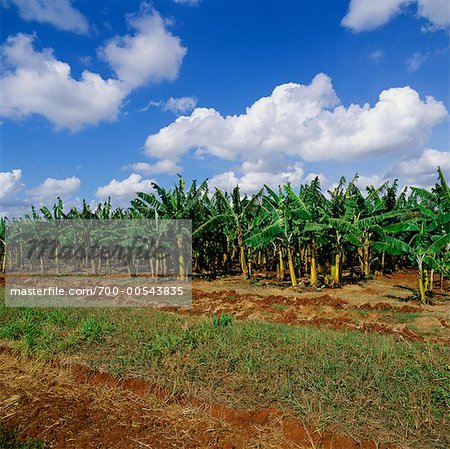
(307, 209)
(301, 228)
(368, 214)
(429, 235)
(279, 227)
(176, 204)
(236, 212)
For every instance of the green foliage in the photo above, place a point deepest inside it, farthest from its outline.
(302, 229)
(222, 320)
(46, 331)
(94, 330)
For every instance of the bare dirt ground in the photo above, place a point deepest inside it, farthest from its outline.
(381, 305)
(71, 407)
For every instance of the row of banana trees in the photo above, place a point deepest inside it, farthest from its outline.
(300, 233)
(96, 247)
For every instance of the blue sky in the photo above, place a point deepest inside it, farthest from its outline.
(100, 98)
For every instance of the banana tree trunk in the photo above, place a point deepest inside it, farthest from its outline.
(303, 259)
(313, 268)
(280, 263)
(181, 261)
(337, 268)
(421, 282)
(361, 258)
(243, 260)
(366, 259)
(291, 268)
(431, 281)
(99, 263)
(3, 269)
(242, 256)
(229, 255)
(56, 258)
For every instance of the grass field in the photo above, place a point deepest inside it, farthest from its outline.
(365, 385)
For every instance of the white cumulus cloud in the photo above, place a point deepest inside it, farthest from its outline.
(272, 171)
(376, 181)
(10, 183)
(52, 188)
(252, 181)
(305, 121)
(124, 190)
(35, 82)
(368, 15)
(162, 166)
(59, 13)
(151, 54)
(436, 11)
(422, 170)
(16, 198)
(365, 15)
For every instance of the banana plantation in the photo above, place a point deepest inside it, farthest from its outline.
(305, 236)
